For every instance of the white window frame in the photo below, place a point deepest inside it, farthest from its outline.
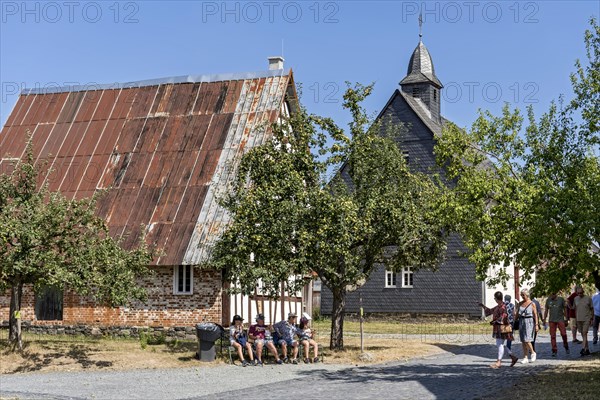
(390, 275)
(407, 274)
(176, 280)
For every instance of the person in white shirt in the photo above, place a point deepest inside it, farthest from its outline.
(307, 339)
(238, 339)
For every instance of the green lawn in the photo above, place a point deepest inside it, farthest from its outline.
(407, 328)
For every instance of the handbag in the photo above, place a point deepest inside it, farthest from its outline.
(506, 328)
(516, 324)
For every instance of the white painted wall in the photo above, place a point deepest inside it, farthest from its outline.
(249, 306)
(488, 292)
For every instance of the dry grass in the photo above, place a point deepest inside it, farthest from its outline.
(68, 353)
(408, 328)
(382, 350)
(578, 379)
(60, 353)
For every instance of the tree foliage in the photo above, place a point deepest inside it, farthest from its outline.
(49, 240)
(288, 220)
(532, 196)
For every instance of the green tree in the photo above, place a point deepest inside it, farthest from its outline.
(532, 196)
(48, 240)
(289, 221)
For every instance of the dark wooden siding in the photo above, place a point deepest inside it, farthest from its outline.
(453, 288)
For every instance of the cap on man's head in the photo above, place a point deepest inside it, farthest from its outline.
(292, 315)
(260, 317)
(237, 318)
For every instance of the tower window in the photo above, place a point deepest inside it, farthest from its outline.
(416, 93)
(434, 94)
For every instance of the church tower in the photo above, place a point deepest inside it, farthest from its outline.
(420, 82)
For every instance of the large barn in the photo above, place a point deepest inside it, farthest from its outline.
(165, 150)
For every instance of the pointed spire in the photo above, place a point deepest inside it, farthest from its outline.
(420, 67)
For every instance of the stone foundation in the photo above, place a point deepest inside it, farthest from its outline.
(176, 332)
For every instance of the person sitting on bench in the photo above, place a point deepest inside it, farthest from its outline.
(261, 335)
(307, 339)
(239, 340)
(286, 330)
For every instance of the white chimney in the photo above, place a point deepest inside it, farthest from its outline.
(276, 63)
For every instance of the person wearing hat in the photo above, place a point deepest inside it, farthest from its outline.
(261, 335)
(286, 330)
(307, 339)
(239, 340)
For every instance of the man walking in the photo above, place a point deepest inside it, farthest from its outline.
(557, 309)
(596, 304)
(572, 316)
(585, 313)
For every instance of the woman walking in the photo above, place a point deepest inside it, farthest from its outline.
(528, 326)
(501, 329)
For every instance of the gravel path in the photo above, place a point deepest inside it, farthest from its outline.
(460, 372)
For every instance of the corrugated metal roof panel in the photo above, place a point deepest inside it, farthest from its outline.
(18, 111)
(166, 151)
(257, 100)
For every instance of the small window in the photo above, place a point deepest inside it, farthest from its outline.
(390, 279)
(406, 157)
(183, 279)
(434, 94)
(416, 93)
(49, 304)
(407, 277)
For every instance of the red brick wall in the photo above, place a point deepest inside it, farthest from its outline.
(162, 307)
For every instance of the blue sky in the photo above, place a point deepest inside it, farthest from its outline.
(485, 53)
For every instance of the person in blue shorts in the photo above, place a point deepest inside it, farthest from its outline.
(238, 339)
(286, 330)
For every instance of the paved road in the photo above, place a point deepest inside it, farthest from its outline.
(460, 372)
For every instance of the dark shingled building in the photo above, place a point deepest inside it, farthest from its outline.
(453, 289)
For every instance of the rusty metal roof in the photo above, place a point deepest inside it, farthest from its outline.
(165, 149)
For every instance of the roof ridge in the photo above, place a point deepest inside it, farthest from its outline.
(205, 78)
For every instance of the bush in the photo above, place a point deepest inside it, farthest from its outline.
(148, 338)
(316, 314)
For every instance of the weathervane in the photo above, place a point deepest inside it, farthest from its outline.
(420, 25)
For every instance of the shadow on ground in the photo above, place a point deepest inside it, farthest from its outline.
(78, 353)
(461, 372)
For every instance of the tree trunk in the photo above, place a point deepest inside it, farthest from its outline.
(14, 323)
(337, 320)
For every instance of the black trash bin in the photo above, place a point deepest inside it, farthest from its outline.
(208, 333)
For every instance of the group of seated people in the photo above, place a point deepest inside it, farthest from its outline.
(282, 333)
